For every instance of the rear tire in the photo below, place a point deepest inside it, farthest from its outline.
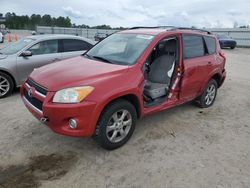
(6, 85)
(209, 94)
(115, 125)
(232, 47)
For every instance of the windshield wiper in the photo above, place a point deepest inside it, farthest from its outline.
(88, 56)
(103, 59)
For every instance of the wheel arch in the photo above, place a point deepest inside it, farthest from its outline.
(217, 77)
(132, 98)
(10, 75)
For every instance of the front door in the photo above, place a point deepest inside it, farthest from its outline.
(43, 53)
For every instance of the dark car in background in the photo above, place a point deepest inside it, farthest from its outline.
(226, 41)
(100, 36)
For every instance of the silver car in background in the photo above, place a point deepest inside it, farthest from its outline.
(19, 59)
(1, 37)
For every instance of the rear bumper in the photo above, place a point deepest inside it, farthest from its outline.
(223, 77)
(58, 115)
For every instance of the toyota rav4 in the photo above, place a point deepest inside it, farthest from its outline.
(127, 76)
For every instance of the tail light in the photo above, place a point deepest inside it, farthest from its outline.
(222, 54)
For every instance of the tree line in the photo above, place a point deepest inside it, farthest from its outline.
(13, 21)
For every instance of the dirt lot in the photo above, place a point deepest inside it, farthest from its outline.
(182, 147)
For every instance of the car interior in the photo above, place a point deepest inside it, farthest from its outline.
(158, 71)
(45, 47)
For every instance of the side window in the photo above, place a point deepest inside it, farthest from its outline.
(70, 45)
(193, 46)
(44, 47)
(211, 44)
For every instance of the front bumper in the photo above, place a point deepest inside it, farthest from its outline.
(57, 115)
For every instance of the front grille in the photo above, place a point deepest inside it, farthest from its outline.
(35, 102)
(37, 87)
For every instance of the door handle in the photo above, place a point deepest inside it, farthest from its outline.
(209, 63)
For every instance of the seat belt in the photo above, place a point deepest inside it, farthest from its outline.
(176, 81)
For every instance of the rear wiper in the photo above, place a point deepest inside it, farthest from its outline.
(103, 59)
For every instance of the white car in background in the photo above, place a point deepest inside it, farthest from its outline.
(1, 37)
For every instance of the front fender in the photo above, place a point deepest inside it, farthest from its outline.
(12, 74)
(110, 98)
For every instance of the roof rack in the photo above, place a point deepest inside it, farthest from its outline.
(143, 27)
(154, 27)
(194, 29)
(172, 28)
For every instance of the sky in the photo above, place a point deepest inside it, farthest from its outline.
(128, 13)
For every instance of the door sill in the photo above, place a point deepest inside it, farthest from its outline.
(156, 102)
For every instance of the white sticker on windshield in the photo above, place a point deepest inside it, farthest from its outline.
(148, 37)
(27, 40)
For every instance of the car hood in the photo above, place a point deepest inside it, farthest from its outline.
(78, 71)
(2, 56)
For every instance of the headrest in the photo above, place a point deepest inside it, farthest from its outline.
(170, 46)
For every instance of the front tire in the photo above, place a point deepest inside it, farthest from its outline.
(116, 125)
(6, 85)
(209, 94)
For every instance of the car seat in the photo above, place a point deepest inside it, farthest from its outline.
(161, 70)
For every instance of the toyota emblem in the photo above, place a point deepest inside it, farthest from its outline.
(30, 92)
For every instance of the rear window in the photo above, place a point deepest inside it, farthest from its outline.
(193, 46)
(211, 44)
(70, 45)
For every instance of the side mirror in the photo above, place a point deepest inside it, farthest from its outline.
(26, 53)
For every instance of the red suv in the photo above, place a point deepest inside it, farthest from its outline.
(127, 76)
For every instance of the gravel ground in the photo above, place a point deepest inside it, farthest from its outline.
(182, 147)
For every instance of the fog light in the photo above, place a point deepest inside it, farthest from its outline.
(72, 124)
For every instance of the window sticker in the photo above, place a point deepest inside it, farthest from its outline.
(148, 37)
(27, 40)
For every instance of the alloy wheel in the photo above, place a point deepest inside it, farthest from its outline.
(210, 94)
(119, 126)
(4, 86)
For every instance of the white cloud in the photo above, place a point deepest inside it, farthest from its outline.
(72, 12)
(234, 12)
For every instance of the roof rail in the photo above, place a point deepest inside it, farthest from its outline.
(154, 27)
(143, 27)
(172, 28)
(194, 29)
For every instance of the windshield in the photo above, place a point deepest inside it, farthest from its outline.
(122, 49)
(16, 46)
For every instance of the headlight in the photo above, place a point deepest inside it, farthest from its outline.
(72, 95)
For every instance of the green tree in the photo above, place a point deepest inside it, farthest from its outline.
(14, 21)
